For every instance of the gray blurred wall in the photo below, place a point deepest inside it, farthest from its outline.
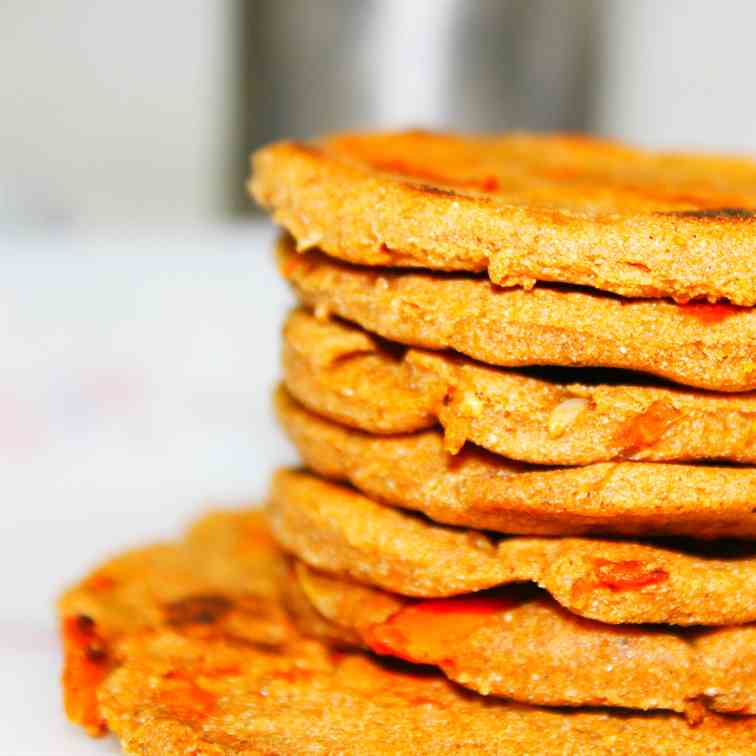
(679, 73)
(116, 113)
(143, 113)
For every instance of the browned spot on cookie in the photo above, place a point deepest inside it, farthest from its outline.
(628, 575)
(200, 609)
(429, 189)
(337, 655)
(488, 183)
(255, 606)
(448, 396)
(96, 654)
(718, 213)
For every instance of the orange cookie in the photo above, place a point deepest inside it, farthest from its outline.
(480, 490)
(185, 648)
(519, 643)
(708, 346)
(223, 579)
(181, 695)
(524, 207)
(335, 529)
(357, 379)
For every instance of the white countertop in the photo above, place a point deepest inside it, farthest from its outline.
(134, 393)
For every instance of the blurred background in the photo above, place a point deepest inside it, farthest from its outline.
(139, 308)
(144, 113)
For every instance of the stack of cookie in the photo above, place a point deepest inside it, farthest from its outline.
(519, 378)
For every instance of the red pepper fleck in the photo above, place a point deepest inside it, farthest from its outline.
(469, 604)
(403, 168)
(709, 314)
(425, 632)
(86, 664)
(100, 582)
(187, 702)
(291, 265)
(646, 429)
(388, 641)
(337, 656)
(293, 675)
(422, 701)
(628, 575)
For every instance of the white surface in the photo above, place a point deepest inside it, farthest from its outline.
(116, 111)
(677, 74)
(134, 393)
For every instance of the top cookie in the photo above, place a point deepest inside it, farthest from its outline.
(525, 208)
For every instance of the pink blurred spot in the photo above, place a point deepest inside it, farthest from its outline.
(20, 431)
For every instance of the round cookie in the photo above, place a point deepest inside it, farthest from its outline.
(702, 345)
(176, 694)
(357, 379)
(480, 490)
(185, 648)
(524, 207)
(519, 643)
(224, 578)
(333, 528)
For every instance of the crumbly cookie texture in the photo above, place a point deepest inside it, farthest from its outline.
(480, 490)
(178, 694)
(223, 579)
(519, 643)
(355, 378)
(186, 648)
(702, 345)
(335, 529)
(522, 207)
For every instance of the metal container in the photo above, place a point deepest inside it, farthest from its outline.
(312, 66)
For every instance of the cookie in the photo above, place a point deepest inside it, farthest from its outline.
(185, 648)
(478, 489)
(522, 207)
(223, 578)
(550, 418)
(519, 643)
(176, 694)
(335, 529)
(702, 345)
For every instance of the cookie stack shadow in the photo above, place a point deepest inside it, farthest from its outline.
(525, 415)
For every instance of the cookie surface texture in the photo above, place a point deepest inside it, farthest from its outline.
(702, 345)
(477, 489)
(335, 529)
(518, 643)
(548, 417)
(524, 208)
